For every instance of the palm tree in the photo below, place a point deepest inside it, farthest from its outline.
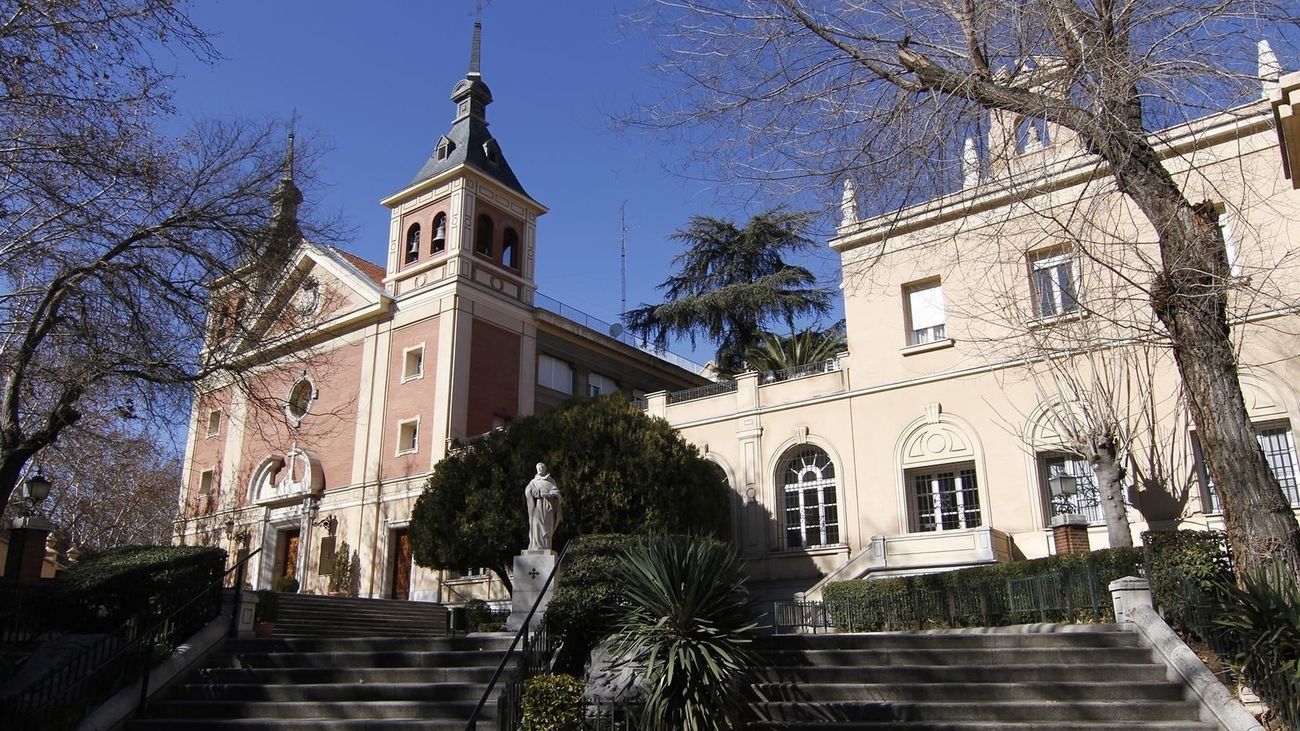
(730, 282)
(776, 353)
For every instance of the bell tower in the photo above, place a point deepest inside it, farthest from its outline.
(465, 214)
(461, 245)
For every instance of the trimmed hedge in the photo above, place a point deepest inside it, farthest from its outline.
(586, 598)
(1183, 566)
(133, 580)
(1065, 588)
(553, 703)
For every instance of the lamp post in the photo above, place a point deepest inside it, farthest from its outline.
(1069, 528)
(28, 534)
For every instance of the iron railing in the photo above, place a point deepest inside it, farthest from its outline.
(1059, 596)
(1196, 615)
(602, 716)
(699, 392)
(831, 365)
(614, 331)
(63, 696)
(533, 659)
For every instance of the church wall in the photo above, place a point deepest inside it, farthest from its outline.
(207, 451)
(328, 430)
(493, 378)
(410, 398)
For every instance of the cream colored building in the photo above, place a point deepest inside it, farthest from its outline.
(928, 445)
(931, 442)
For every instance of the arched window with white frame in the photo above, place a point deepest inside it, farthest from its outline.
(810, 498)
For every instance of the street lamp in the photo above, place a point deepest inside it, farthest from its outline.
(36, 489)
(1063, 485)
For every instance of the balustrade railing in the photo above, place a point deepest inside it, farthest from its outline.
(699, 392)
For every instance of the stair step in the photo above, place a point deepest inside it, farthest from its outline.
(355, 644)
(922, 640)
(968, 692)
(987, 711)
(480, 675)
(413, 710)
(291, 724)
(349, 691)
(961, 656)
(975, 726)
(902, 673)
(377, 659)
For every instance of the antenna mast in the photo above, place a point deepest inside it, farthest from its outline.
(622, 245)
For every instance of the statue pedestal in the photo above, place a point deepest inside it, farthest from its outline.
(531, 570)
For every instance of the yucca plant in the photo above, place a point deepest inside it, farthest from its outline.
(686, 629)
(1263, 618)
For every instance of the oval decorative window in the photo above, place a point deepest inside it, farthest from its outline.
(300, 397)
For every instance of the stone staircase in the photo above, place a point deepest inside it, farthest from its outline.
(307, 615)
(1058, 677)
(392, 672)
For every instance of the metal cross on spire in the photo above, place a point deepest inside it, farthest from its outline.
(476, 48)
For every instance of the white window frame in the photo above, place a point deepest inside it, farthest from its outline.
(1087, 499)
(599, 384)
(402, 425)
(546, 373)
(1229, 242)
(1053, 261)
(210, 431)
(795, 481)
(407, 353)
(959, 472)
(927, 334)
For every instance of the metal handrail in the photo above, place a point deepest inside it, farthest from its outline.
(238, 568)
(472, 724)
(83, 670)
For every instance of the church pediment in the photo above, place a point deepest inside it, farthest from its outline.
(321, 288)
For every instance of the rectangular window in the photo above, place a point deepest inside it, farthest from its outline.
(214, 422)
(472, 573)
(598, 385)
(554, 374)
(1054, 284)
(1229, 242)
(1279, 449)
(408, 436)
(946, 499)
(413, 363)
(925, 313)
(1077, 493)
(208, 491)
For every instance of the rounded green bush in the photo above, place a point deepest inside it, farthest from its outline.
(553, 703)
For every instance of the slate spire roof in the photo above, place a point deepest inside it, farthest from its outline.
(469, 142)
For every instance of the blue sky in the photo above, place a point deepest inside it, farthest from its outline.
(372, 80)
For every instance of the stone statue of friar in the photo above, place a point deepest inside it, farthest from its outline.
(542, 496)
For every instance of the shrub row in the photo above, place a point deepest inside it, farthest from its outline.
(104, 591)
(1065, 588)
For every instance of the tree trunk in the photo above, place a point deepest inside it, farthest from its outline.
(504, 575)
(1110, 486)
(1190, 298)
